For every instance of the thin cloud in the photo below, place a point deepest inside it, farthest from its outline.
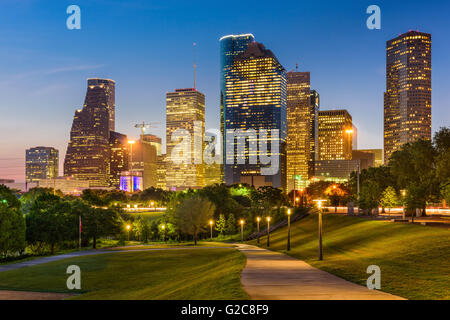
(19, 76)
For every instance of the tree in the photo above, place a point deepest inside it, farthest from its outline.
(336, 193)
(99, 222)
(12, 224)
(414, 168)
(193, 215)
(231, 224)
(369, 197)
(389, 198)
(221, 224)
(48, 222)
(445, 190)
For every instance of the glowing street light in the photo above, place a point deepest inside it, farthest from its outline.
(163, 227)
(289, 230)
(128, 227)
(404, 209)
(319, 205)
(258, 219)
(242, 230)
(211, 222)
(268, 231)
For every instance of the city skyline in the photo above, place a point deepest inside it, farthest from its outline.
(53, 127)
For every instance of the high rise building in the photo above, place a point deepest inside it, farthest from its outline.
(41, 163)
(230, 47)
(335, 139)
(313, 131)
(298, 146)
(88, 151)
(161, 172)
(119, 161)
(185, 131)
(407, 100)
(255, 99)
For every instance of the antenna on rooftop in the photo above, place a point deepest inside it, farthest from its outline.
(195, 44)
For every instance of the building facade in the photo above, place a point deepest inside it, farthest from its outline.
(119, 160)
(378, 156)
(88, 151)
(407, 100)
(66, 185)
(185, 131)
(314, 129)
(230, 47)
(298, 146)
(41, 163)
(255, 100)
(335, 143)
(143, 159)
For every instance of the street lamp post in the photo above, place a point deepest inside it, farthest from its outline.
(242, 230)
(128, 229)
(164, 230)
(211, 222)
(258, 219)
(268, 231)
(319, 205)
(289, 230)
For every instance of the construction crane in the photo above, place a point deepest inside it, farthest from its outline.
(144, 126)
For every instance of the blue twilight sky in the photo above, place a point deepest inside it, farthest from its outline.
(146, 46)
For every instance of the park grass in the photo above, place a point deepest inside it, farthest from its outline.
(197, 274)
(149, 215)
(414, 260)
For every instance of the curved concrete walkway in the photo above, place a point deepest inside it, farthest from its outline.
(270, 275)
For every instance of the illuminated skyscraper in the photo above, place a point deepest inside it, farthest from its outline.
(88, 152)
(407, 100)
(185, 118)
(255, 99)
(230, 47)
(334, 141)
(298, 128)
(41, 163)
(119, 161)
(313, 131)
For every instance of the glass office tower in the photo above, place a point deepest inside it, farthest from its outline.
(41, 163)
(298, 124)
(88, 152)
(230, 47)
(407, 100)
(255, 99)
(185, 114)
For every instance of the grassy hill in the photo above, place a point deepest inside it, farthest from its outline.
(198, 274)
(414, 260)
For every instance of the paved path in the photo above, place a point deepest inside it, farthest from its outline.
(27, 295)
(271, 275)
(37, 261)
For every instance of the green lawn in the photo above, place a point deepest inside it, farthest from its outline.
(414, 260)
(202, 274)
(149, 215)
